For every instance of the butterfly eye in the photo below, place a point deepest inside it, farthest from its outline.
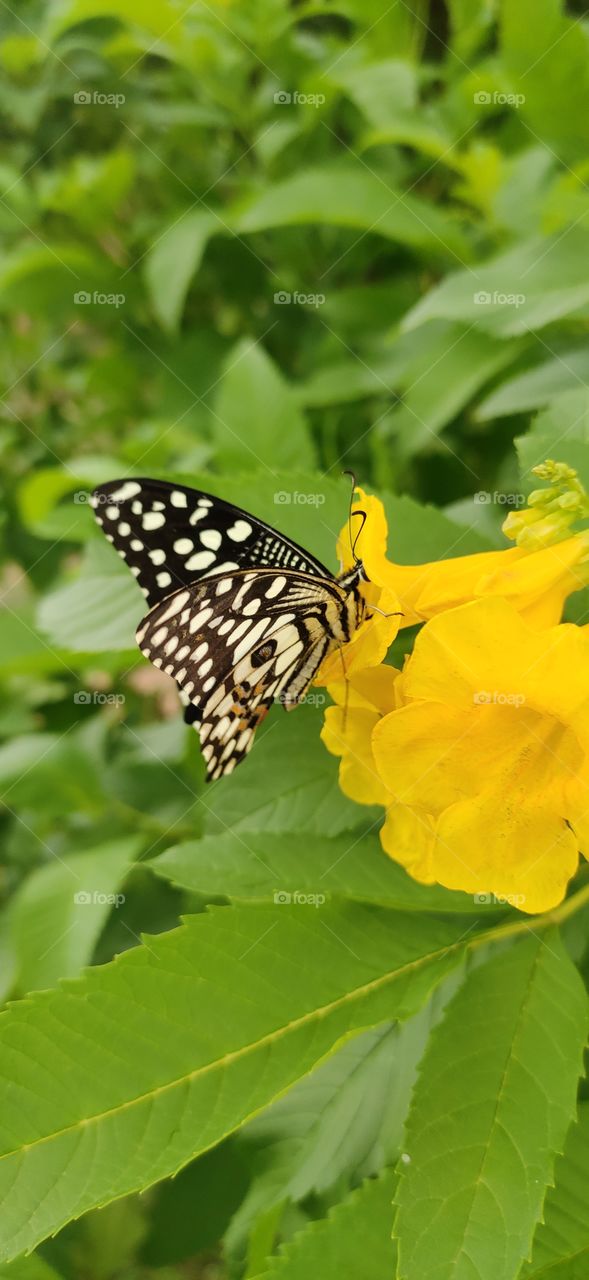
(264, 653)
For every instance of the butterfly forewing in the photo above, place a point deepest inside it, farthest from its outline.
(170, 535)
(235, 643)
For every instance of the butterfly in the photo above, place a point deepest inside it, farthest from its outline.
(240, 616)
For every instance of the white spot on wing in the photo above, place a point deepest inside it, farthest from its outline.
(153, 520)
(211, 538)
(127, 490)
(251, 607)
(240, 530)
(177, 498)
(276, 586)
(175, 605)
(199, 513)
(201, 560)
(183, 546)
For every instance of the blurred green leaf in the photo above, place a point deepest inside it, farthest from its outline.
(61, 909)
(257, 421)
(532, 285)
(173, 260)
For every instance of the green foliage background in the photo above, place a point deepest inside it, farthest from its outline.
(245, 245)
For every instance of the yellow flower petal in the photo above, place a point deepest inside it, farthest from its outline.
(349, 735)
(408, 836)
(374, 687)
(523, 852)
(484, 653)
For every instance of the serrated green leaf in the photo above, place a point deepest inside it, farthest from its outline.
(561, 1243)
(260, 865)
(304, 796)
(561, 432)
(419, 533)
(120, 1078)
(354, 1240)
(492, 1105)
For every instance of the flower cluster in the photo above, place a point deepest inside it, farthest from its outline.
(478, 749)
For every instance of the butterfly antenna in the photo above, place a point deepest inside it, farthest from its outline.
(351, 513)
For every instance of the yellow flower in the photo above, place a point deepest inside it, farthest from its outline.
(348, 726)
(375, 635)
(486, 757)
(537, 575)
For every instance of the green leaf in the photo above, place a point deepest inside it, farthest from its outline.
(31, 1268)
(342, 1122)
(538, 386)
(354, 1240)
(560, 432)
(99, 610)
(492, 1106)
(357, 198)
(419, 533)
(120, 1078)
(60, 911)
(257, 420)
(288, 783)
(259, 865)
(190, 1213)
(173, 260)
(453, 364)
(545, 56)
(532, 285)
(561, 1243)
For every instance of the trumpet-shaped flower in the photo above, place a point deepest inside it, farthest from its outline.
(537, 575)
(485, 758)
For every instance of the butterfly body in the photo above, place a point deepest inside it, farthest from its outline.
(235, 634)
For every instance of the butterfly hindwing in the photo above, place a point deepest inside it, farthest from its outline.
(236, 642)
(170, 535)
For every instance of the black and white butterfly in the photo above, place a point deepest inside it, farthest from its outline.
(239, 615)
